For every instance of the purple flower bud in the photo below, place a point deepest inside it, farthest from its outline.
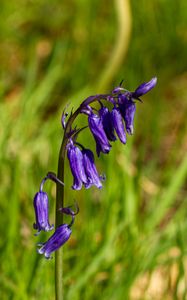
(90, 169)
(144, 88)
(118, 124)
(59, 238)
(76, 164)
(41, 207)
(105, 116)
(96, 127)
(68, 210)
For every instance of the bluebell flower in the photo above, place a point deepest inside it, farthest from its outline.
(93, 177)
(59, 238)
(106, 119)
(127, 108)
(96, 127)
(118, 125)
(41, 207)
(75, 158)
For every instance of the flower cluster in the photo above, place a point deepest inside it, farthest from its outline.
(41, 207)
(106, 125)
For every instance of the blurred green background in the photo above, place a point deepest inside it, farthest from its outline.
(129, 240)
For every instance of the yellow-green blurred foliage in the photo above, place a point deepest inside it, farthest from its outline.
(129, 239)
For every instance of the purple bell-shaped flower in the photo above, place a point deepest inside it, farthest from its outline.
(75, 158)
(106, 119)
(96, 127)
(127, 108)
(118, 125)
(59, 238)
(93, 177)
(41, 207)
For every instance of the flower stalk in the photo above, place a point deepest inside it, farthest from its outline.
(106, 125)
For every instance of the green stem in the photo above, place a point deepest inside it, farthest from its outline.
(60, 196)
(59, 215)
(59, 220)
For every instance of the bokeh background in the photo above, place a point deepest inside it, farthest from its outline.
(129, 240)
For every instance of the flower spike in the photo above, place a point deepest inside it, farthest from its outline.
(105, 125)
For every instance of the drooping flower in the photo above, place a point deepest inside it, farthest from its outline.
(96, 127)
(41, 207)
(127, 108)
(106, 119)
(90, 169)
(59, 238)
(61, 234)
(118, 125)
(75, 158)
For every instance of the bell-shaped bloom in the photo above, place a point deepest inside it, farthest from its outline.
(96, 127)
(90, 169)
(106, 119)
(75, 158)
(59, 238)
(117, 121)
(41, 207)
(128, 109)
(144, 88)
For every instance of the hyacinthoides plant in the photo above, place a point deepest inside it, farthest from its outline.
(106, 125)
